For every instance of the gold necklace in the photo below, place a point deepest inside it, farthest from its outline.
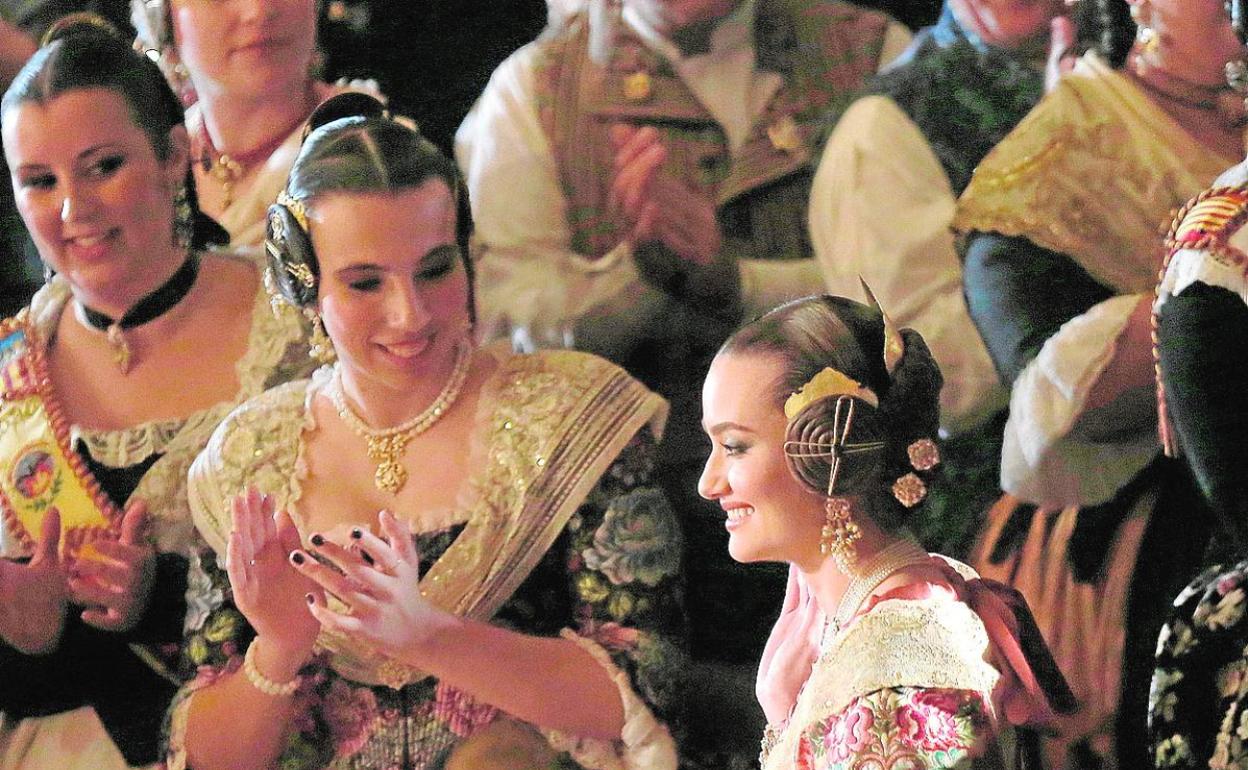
(386, 445)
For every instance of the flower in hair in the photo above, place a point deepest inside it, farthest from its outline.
(909, 490)
(923, 454)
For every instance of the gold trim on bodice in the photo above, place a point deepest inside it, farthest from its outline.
(557, 421)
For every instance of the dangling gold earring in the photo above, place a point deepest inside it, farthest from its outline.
(1147, 41)
(839, 534)
(320, 346)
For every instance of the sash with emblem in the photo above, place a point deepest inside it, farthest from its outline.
(39, 470)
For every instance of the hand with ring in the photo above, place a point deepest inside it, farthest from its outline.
(268, 590)
(379, 583)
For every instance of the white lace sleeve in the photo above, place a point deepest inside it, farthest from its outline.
(644, 743)
(1056, 453)
(256, 445)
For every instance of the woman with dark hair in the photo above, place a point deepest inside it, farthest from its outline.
(511, 605)
(1062, 250)
(101, 419)
(916, 661)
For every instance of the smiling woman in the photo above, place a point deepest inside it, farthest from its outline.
(515, 603)
(822, 472)
(100, 419)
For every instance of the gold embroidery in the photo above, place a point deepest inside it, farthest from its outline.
(1091, 173)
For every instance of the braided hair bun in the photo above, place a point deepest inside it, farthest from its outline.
(823, 332)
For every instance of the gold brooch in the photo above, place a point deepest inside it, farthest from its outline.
(638, 87)
(784, 135)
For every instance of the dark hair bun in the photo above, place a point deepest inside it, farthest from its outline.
(351, 104)
(291, 262)
(810, 445)
(80, 23)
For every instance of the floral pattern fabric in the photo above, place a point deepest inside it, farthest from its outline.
(1198, 703)
(611, 577)
(898, 727)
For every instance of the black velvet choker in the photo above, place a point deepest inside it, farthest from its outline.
(148, 309)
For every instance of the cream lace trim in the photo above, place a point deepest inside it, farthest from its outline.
(937, 643)
(644, 743)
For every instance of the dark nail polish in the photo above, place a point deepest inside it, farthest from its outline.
(368, 559)
(310, 598)
(296, 557)
(357, 533)
(317, 540)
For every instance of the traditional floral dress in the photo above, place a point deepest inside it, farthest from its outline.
(600, 566)
(101, 693)
(1198, 704)
(926, 676)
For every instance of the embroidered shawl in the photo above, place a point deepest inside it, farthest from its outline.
(1093, 172)
(550, 425)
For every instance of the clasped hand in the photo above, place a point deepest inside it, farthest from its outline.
(658, 207)
(112, 581)
(378, 584)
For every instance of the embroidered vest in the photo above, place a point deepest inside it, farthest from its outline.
(963, 100)
(824, 51)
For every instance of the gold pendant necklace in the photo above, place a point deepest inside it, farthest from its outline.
(386, 445)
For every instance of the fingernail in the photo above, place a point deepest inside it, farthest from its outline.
(357, 533)
(364, 555)
(317, 539)
(309, 598)
(296, 557)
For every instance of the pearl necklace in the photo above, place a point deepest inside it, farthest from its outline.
(386, 445)
(903, 553)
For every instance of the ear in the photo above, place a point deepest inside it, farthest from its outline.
(178, 161)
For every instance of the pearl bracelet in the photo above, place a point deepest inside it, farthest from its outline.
(262, 682)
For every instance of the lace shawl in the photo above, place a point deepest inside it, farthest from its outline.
(1092, 172)
(936, 643)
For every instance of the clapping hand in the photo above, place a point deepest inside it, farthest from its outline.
(379, 584)
(112, 579)
(657, 206)
(268, 589)
(33, 595)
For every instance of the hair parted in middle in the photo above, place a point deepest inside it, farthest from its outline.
(353, 145)
(818, 333)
